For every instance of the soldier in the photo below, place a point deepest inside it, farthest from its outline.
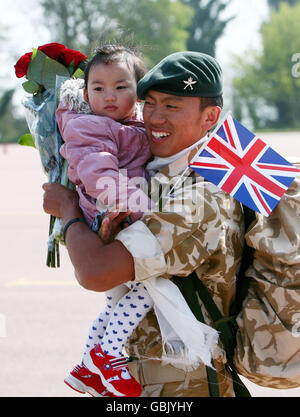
(201, 231)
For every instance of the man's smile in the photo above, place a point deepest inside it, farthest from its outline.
(159, 136)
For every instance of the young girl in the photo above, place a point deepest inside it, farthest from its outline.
(105, 145)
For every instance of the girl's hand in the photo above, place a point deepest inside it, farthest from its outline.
(111, 225)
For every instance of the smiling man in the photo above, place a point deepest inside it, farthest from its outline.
(172, 123)
(174, 113)
(183, 100)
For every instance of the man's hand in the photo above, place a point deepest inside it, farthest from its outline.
(60, 200)
(93, 261)
(112, 223)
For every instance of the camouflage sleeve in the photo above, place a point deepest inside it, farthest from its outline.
(268, 340)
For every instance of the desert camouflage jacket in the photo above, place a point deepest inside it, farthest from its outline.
(268, 341)
(201, 228)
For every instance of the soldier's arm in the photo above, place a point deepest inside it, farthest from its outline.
(98, 267)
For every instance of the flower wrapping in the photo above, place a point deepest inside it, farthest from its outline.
(45, 69)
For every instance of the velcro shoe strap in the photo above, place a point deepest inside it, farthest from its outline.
(118, 363)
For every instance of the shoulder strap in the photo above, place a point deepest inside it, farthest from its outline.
(189, 287)
(227, 330)
(242, 283)
(186, 286)
(226, 326)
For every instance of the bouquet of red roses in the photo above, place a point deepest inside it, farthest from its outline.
(45, 69)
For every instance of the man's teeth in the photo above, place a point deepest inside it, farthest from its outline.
(160, 134)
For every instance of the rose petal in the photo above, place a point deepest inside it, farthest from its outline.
(21, 66)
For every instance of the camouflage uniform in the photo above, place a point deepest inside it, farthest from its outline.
(207, 237)
(268, 341)
(169, 244)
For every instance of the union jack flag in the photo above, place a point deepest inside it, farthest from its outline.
(240, 163)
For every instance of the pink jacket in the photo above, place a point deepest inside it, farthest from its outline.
(98, 149)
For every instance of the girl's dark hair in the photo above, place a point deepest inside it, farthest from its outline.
(109, 53)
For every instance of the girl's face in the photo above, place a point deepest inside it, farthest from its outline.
(111, 90)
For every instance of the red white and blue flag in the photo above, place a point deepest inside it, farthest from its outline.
(244, 166)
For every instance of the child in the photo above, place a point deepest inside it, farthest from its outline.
(103, 134)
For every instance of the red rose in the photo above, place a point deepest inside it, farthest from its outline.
(21, 66)
(72, 55)
(53, 50)
(62, 54)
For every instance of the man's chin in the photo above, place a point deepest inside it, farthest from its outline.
(161, 152)
(160, 147)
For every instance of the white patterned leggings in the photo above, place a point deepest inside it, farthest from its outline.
(126, 306)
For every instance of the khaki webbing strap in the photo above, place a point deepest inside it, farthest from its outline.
(224, 325)
(188, 290)
(226, 328)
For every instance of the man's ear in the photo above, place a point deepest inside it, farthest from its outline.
(211, 116)
(85, 95)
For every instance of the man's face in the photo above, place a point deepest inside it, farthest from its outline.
(172, 123)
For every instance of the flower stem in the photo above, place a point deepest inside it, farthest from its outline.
(57, 254)
(49, 261)
(55, 226)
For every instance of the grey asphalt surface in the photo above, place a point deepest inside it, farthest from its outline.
(44, 313)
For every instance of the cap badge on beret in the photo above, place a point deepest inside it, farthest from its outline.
(189, 83)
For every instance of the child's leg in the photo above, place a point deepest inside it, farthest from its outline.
(129, 312)
(98, 326)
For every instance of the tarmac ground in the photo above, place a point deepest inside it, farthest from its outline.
(44, 313)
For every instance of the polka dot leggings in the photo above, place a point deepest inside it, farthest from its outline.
(124, 310)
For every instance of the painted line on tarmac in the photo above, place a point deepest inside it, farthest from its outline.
(40, 283)
(18, 213)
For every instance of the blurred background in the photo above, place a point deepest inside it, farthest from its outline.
(257, 42)
(44, 314)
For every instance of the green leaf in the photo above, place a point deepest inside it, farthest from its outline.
(35, 68)
(78, 73)
(31, 87)
(26, 140)
(50, 70)
(43, 70)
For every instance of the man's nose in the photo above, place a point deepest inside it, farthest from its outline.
(157, 117)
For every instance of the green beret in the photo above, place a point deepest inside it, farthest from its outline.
(191, 74)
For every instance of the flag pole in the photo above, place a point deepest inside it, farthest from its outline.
(178, 181)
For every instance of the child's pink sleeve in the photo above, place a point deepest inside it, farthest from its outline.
(91, 148)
